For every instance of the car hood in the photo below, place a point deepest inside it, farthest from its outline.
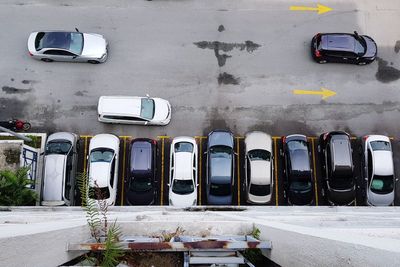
(380, 199)
(140, 198)
(182, 200)
(219, 200)
(261, 171)
(300, 197)
(94, 45)
(53, 177)
(371, 47)
(162, 111)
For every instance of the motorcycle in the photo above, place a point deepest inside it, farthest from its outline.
(16, 125)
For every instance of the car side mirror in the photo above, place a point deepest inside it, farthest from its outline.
(147, 95)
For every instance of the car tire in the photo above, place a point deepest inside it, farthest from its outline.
(362, 63)
(46, 60)
(93, 62)
(322, 61)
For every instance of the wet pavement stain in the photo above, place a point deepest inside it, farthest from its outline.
(28, 81)
(226, 78)
(12, 108)
(80, 93)
(13, 90)
(397, 47)
(385, 73)
(221, 28)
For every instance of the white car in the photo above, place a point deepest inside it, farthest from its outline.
(102, 167)
(134, 110)
(378, 170)
(183, 172)
(258, 167)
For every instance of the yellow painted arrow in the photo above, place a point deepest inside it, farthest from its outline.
(324, 92)
(320, 8)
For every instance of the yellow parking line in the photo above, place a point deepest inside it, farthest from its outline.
(125, 136)
(276, 169)
(123, 172)
(163, 137)
(315, 172)
(200, 161)
(238, 167)
(85, 154)
(86, 136)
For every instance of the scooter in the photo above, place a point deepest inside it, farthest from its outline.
(16, 125)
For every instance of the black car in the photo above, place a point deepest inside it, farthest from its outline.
(298, 181)
(141, 184)
(337, 167)
(343, 48)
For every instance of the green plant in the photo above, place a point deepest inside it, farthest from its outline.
(14, 190)
(96, 216)
(255, 256)
(167, 236)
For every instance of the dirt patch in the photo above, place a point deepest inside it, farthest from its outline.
(12, 108)
(149, 259)
(221, 28)
(12, 156)
(386, 73)
(226, 78)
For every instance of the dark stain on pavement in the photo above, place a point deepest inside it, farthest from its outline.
(12, 108)
(397, 47)
(81, 93)
(13, 90)
(28, 81)
(216, 121)
(385, 73)
(226, 78)
(221, 28)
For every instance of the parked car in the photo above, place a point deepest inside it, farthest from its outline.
(141, 183)
(102, 167)
(134, 110)
(75, 46)
(220, 168)
(378, 170)
(298, 180)
(60, 161)
(337, 167)
(183, 172)
(344, 48)
(258, 167)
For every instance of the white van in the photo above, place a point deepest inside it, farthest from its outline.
(134, 110)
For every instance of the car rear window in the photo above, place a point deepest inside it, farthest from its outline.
(99, 193)
(101, 155)
(259, 154)
(382, 184)
(260, 190)
(220, 189)
(380, 145)
(183, 187)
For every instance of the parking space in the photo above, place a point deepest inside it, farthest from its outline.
(239, 190)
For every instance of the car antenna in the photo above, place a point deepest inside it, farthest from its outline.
(76, 29)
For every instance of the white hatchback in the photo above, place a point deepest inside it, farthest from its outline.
(183, 172)
(102, 167)
(259, 167)
(378, 170)
(134, 110)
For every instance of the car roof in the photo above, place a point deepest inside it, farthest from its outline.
(340, 150)
(338, 42)
(57, 39)
(54, 177)
(383, 163)
(260, 172)
(183, 169)
(141, 156)
(99, 172)
(299, 160)
(120, 105)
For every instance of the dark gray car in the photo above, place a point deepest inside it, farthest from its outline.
(141, 184)
(220, 168)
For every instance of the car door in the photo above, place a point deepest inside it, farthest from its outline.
(248, 175)
(59, 55)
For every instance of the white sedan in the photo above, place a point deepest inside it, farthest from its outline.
(378, 170)
(259, 167)
(183, 172)
(102, 167)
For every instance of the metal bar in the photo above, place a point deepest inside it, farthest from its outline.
(238, 168)
(216, 260)
(276, 170)
(20, 136)
(186, 259)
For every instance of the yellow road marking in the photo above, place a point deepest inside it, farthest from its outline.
(325, 93)
(238, 167)
(85, 155)
(200, 161)
(125, 136)
(315, 172)
(276, 169)
(321, 9)
(86, 136)
(123, 172)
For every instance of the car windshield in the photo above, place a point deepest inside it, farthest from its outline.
(184, 147)
(260, 190)
(221, 152)
(99, 193)
(360, 46)
(140, 184)
(182, 187)
(382, 184)
(299, 185)
(259, 154)
(380, 145)
(101, 155)
(220, 189)
(58, 147)
(147, 108)
(71, 41)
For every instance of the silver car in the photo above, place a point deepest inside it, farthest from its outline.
(75, 46)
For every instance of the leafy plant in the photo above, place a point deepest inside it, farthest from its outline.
(96, 216)
(167, 236)
(14, 190)
(255, 256)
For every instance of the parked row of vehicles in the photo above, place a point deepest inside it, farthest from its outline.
(141, 182)
(76, 46)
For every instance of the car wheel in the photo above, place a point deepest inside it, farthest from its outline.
(47, 60)
(322, 61)
(93, 62)
(362, 63)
